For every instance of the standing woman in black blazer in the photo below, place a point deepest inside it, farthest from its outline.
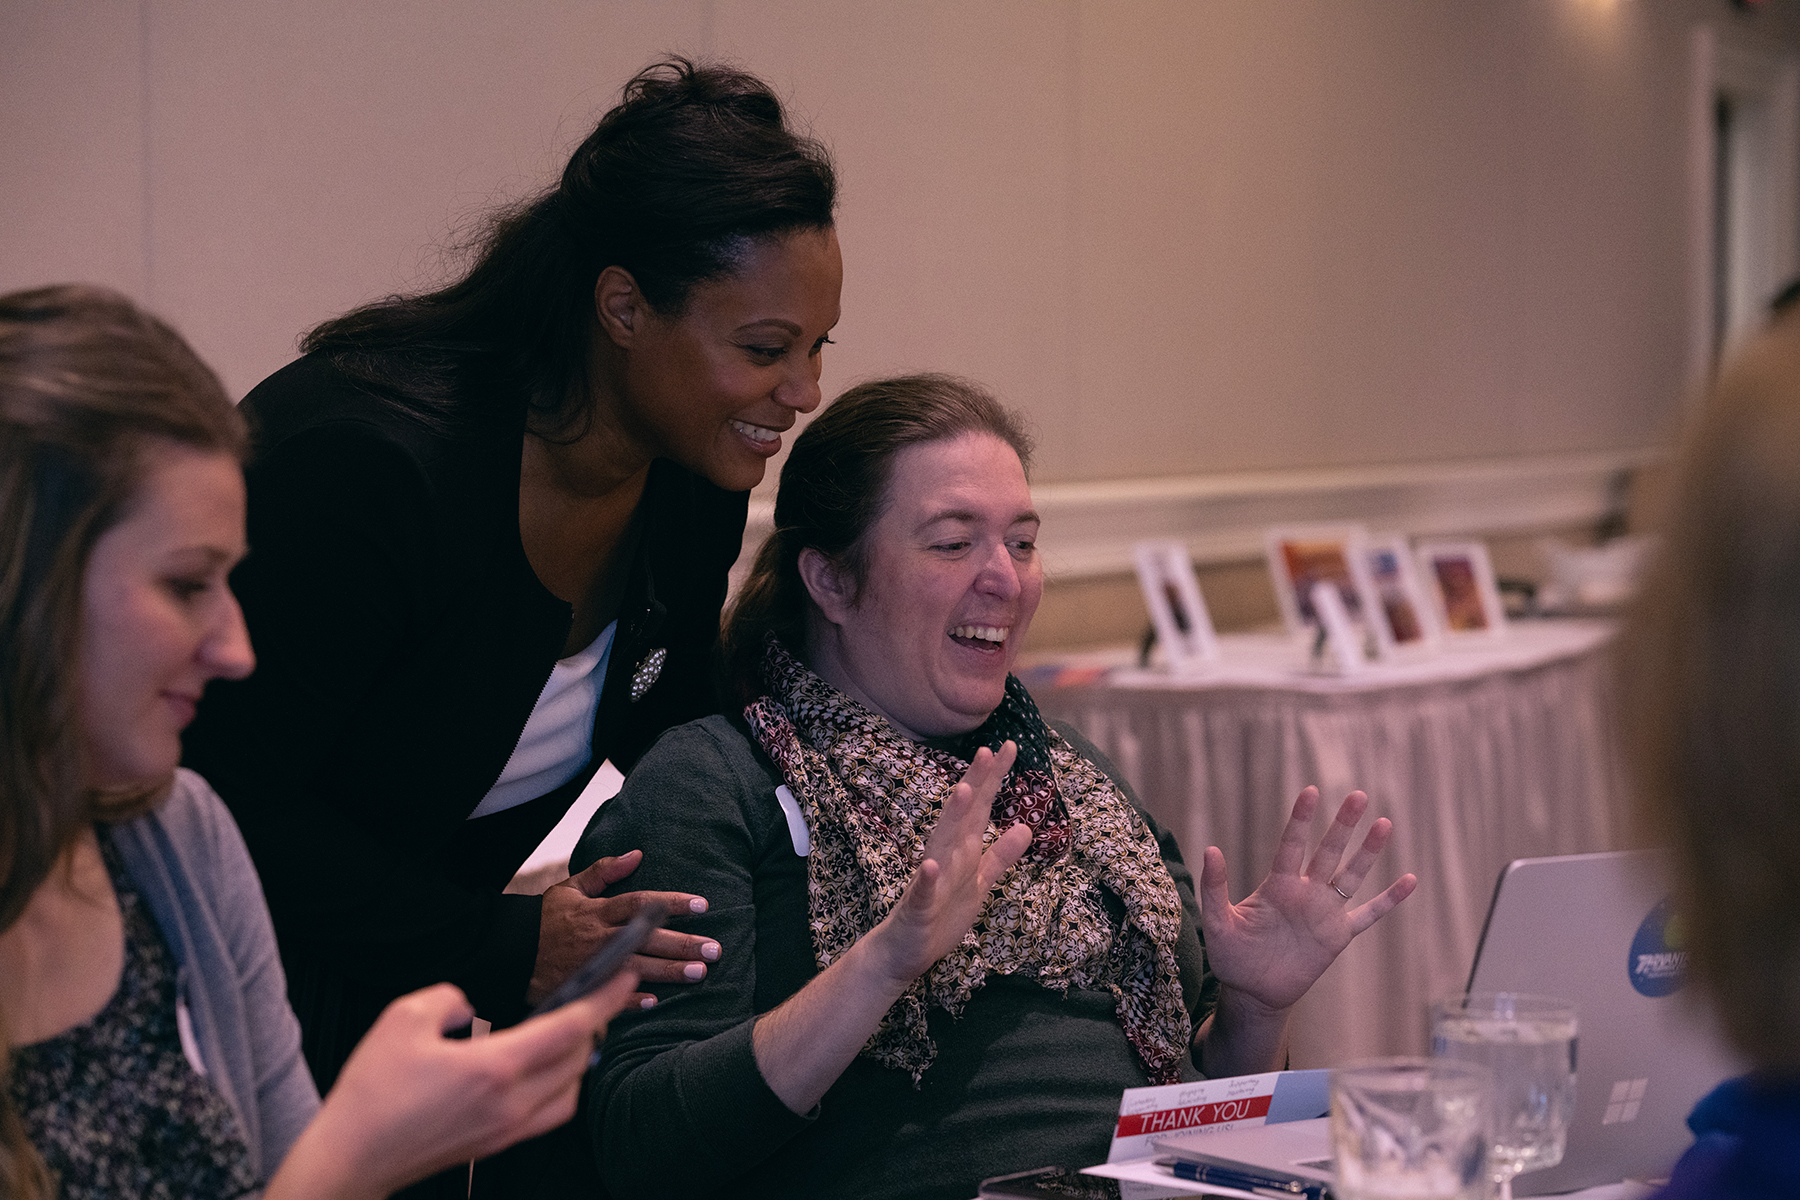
(461, 502)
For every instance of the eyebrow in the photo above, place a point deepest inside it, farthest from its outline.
(210, 552)
(963, 514)
(789, 326)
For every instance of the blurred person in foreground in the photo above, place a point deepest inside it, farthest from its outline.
(950, 934)
(146, 1043)
(1712, 712)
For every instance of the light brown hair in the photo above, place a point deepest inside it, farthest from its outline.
(87, 380)
(1711, 696)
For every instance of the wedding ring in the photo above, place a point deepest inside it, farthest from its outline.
(1340, 891)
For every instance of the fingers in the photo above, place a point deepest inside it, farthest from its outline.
(1006, 851)
(1382, 905)
(1290, 852)
(1325, 859)
(967, 810)
(1215, 888)
(440, 1007)
(603, 874)
(1363, 861)
(616, 910)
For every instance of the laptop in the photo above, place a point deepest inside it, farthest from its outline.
(1591, 928)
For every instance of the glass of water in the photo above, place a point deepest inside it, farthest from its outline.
(1529, 1044)
(1411, 1127)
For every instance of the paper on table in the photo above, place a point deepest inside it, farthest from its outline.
(1142, 1179)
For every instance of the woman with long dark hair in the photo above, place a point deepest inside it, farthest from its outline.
(146, 1043)
(491, 529)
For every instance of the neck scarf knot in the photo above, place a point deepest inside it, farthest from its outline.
(871, 798)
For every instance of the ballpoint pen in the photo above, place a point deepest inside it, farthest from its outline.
(1247, 1181)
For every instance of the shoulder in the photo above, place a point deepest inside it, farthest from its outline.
(187, 855)
(313, 403)
(195, 822)
(703, 774)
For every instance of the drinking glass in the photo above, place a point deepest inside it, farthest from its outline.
(1411, 1127)
(1529, 1044)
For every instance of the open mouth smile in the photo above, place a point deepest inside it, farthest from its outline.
(757, 433)
(988, 638)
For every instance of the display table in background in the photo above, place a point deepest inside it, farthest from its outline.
(1479, 756)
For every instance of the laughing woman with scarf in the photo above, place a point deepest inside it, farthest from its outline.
(949, 937)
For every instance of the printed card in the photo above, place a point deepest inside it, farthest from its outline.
(1212, 1104)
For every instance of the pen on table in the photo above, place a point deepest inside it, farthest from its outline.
(1246, 1181)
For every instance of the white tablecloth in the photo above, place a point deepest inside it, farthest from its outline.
(1479, 756)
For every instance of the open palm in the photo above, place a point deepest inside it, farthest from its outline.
(959, 871)
(1278, 940)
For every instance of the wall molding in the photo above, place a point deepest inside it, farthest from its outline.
(1089, 527)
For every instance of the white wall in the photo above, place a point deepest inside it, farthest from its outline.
(1187, 237)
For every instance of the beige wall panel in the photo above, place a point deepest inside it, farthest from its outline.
(1320, 234)
(313, 154)
(1187, 237)
(71, 145)
(952, 125)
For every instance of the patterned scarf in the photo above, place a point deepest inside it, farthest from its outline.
(871, 798)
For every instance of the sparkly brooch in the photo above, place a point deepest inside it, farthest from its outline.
(647, 673)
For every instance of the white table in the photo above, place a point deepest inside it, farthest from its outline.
(1480, 755)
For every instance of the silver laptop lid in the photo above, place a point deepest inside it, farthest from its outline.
(1597, 929)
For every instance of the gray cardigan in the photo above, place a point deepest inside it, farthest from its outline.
(188, 862)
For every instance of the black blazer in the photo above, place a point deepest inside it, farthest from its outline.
(402, 639)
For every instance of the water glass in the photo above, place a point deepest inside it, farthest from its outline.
(1529, 1044)
(1411, 1127)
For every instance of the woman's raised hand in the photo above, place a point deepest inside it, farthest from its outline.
(807, 1041)
(1279, 939)
(953, 882)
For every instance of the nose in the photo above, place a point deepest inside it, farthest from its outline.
(226, 653)
(800, 390)
(1000, 574)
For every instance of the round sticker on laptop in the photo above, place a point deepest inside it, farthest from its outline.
(1658, 961)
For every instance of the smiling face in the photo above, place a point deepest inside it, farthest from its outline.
(953, 580)
(158, 620)
(715, 387)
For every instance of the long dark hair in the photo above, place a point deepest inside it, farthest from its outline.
(834, 486)
(86, 381)
(696, 162)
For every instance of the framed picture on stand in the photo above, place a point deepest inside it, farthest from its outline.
(1460, 577)
(1403, 606)
(1165, 571)
(1301, 556)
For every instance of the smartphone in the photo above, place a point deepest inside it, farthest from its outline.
(605, 962)
(1052, 1183)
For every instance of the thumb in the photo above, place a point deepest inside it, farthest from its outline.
(441, 1007)
(603, 874)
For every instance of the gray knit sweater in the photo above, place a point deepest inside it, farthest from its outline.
(1024, 1078)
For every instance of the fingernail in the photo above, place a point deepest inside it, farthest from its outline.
(647, 1002)
(694, 970)
(697, 905)
(710, 951)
